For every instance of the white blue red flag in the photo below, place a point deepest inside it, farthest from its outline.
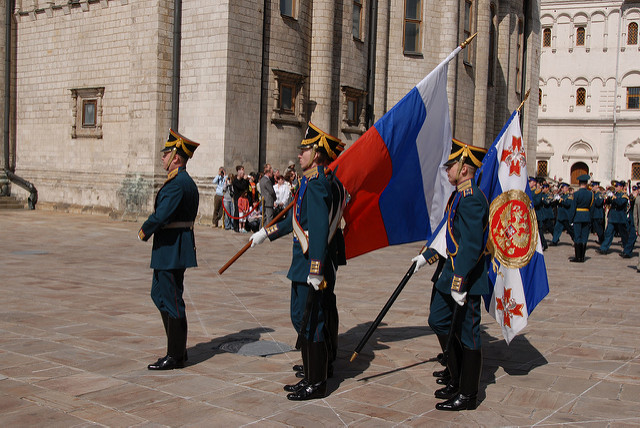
(517, 270)
(393, 172)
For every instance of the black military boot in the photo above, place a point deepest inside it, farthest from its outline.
(582, 252)
(453, 364)
(467, 397)
(300, 372)
(576, 251)
(316, 371)
(176, 348)
(443, 375)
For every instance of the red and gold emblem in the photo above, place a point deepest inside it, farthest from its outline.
(513, 229)
(509, 307)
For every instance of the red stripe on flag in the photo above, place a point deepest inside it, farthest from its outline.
(365, 170)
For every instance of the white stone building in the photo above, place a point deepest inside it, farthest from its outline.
(589, 112)
(93, 92)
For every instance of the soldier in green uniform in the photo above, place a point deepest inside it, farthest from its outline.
(548, 217)
(318, 250)
(174, 250)
(538, 205)
(616, 219)
(583, 200)
(565, 214)
(597, 211)
(462, 281)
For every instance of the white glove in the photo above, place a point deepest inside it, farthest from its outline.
(460, 298)
(420, 261)
(258, 237)
(315, 281)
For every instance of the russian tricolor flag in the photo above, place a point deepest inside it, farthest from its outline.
(393, 172)
(516, 292)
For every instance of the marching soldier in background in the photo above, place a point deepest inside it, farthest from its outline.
(564, 202)
(318, 249)
(174, 248)
(583, 200)
(617, 218)
(636, 219)
(597, 211)
(548, 217)
(462, 281)
(631, 229)
(538, 205)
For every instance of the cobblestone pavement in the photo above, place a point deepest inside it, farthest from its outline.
(77, 329)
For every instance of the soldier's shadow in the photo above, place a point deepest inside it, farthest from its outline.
(518, 358)
(224, 344)
(349, 340)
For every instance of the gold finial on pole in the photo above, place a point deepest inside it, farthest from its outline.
(466, 42)
(524, 100)
(353, 357)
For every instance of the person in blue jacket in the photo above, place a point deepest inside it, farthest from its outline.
(462, 281)
(597, 211)
(583, 200)
(174, 248)
(616, 219)
(318, 250)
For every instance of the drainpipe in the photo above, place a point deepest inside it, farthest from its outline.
(615, 98)
(264, 76)
(9, 170)
(371, 63)
(175, 82)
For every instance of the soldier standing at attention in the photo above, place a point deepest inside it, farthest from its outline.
(462, 281)
(617, 218)
(318, 250)
(565, 214)
(174, 249)
(583, 200)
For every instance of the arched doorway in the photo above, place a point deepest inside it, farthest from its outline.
(577, 169)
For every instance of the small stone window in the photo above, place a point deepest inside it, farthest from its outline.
(580, 36)
(357, 19)
(288, 8)
(288, 102)
(412, 25)
(543, 168)
(635, 171)
(633, 98)
(581, 96)
(632, 34)
(546, 38)
(353, 113)
(86, 109)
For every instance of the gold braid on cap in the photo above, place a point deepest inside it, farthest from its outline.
(179, 143)
(466, 153)
(320, 140)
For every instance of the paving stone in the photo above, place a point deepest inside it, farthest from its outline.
(76, 340)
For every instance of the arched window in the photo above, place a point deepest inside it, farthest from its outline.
(581, 96)
(580, 36)
(546, 38)
(632, 34)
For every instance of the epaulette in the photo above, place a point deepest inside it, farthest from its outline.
(624, 195)
(538, 191)
(465, 188)
(312, 173)
(570, 197)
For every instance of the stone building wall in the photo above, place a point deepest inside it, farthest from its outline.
(235, 54)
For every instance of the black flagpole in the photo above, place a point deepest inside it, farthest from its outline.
(384, 311)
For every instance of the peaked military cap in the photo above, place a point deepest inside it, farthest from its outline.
(183, 146)
(320, 140)
(564, 185)
(595, 183)
(620, 183)
(466, 153)
(584, 178)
